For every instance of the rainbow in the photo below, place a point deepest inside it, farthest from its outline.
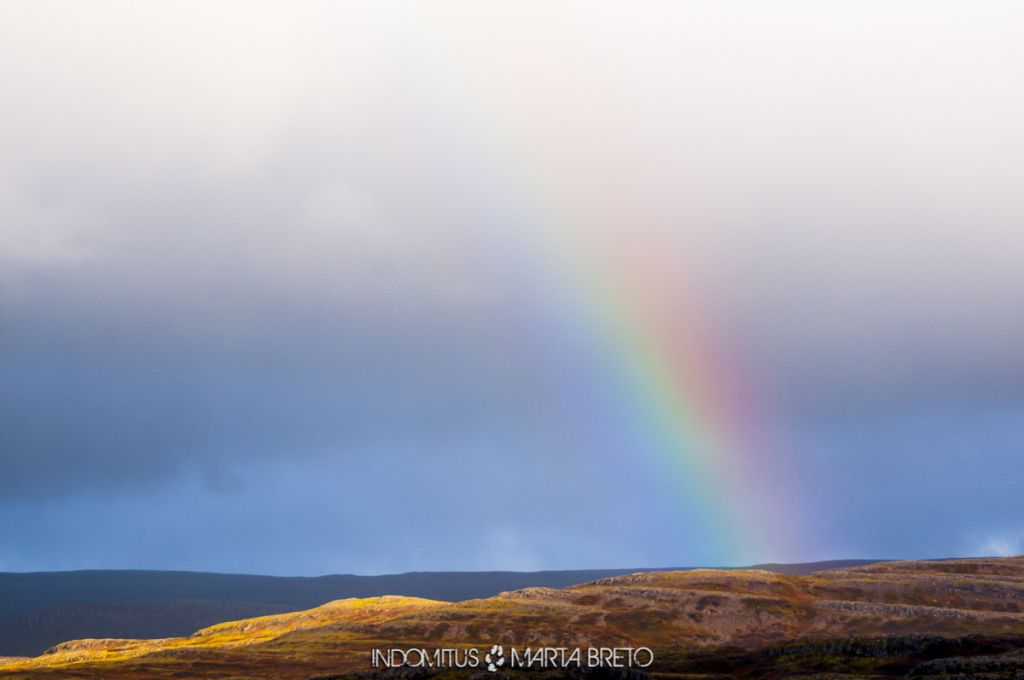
(691, 414)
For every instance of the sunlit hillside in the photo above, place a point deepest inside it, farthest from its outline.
(905, 612)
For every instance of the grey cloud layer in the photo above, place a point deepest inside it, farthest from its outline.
(254, 232)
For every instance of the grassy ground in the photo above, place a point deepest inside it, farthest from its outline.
(956, 618)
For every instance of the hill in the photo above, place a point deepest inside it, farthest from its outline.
(38, 610)
(880, 620)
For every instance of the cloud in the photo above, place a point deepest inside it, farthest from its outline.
(1002, 545)
(253, 233)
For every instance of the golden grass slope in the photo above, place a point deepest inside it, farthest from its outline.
(221, 639)
(668, 611)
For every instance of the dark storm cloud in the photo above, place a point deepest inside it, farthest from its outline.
(265, 255)
(281, 314)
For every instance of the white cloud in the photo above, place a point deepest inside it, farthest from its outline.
(34, 233)
(1006, 544)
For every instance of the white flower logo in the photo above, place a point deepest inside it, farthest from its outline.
(495, 658)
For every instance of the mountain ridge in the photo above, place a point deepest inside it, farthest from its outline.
(40, 609)
(886, 617)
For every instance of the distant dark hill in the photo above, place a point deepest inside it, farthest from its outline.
(802, 568)
(38, 610)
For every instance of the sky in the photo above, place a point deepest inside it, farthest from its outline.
(371, 287)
